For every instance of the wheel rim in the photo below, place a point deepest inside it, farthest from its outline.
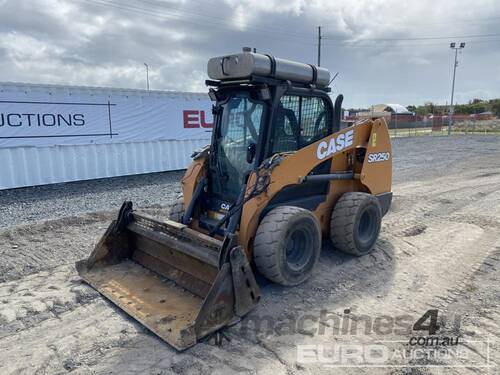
(298, 248)
(367, 226)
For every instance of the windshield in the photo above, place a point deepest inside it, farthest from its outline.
(238, 128)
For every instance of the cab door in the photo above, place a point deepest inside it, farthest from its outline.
(299, 121)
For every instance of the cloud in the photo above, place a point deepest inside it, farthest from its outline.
(106, 42)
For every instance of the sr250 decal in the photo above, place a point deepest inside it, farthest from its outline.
(378, 157)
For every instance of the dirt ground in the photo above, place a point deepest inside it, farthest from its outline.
(439, 249)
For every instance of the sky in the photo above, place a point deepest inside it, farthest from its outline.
(384, 51)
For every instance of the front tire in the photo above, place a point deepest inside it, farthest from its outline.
(287, 245)
(355, 223)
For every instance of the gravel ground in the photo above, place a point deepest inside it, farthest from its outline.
(24, 205)
(439, 249)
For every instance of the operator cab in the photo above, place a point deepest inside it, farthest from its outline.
(263, 106)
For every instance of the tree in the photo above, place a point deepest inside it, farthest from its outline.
(495, 108)
(475, 101)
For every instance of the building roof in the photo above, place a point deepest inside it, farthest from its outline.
(50, 89)
(394, 108)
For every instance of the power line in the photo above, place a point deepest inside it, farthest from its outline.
(204, 17)
(415, 38)
(461, 22)
(475, 20)
(378, 45)
(203, 22)
(285, 36)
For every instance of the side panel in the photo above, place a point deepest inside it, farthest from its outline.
(342, 151)
(377, 167)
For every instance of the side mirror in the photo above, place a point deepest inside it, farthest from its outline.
(251, 149)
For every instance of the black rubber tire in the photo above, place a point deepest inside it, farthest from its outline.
(355, 223)
(287, 245)
(176, 210)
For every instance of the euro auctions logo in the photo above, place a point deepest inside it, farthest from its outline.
(194, 119)
(397, 354)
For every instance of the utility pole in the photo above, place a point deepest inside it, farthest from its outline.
(453, 46)
(147, 75)
(319, 45)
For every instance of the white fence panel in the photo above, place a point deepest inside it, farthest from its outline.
(30, 166)
(51, 134)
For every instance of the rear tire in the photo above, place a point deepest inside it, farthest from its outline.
(287, 245)
(176, 210)
(355, 223)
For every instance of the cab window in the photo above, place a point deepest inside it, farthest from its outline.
(300, 121)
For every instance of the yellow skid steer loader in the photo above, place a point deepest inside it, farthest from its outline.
(279, 176)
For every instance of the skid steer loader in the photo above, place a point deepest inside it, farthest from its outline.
(279, 176)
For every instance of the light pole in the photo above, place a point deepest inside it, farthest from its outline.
(147, 75)
(453, 46)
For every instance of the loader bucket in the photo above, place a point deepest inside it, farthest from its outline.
(179, 283)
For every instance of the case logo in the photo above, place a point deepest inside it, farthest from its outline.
(335, 144)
